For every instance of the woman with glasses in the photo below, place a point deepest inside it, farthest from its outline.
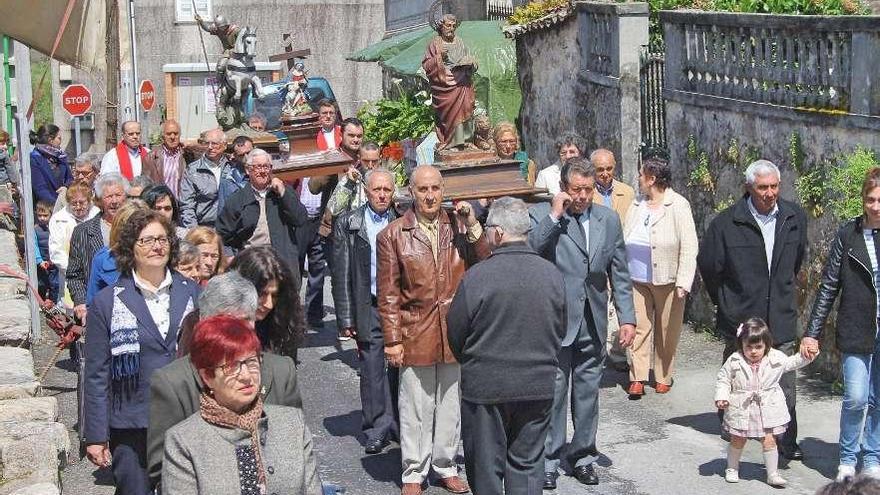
(507, 148)
(160, 198)
(132, 330)
(210, 245)
(103, 271)
(235, 444)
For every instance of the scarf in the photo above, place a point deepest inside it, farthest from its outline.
(124, 157)
(218, 415)
(125, 347)
(55, 155)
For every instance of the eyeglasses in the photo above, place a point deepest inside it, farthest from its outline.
(152, 240)
(82, 173)
(215, 143)
(234, 368)
(78, 204)
(261, 167)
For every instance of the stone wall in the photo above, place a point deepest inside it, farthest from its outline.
(33, 444)
(714, 131)
(547, 66)
(581, 74)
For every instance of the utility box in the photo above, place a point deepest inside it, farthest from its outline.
(190, 94)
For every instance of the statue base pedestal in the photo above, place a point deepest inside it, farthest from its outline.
(313, 164)
(475, 174)
(301, 132)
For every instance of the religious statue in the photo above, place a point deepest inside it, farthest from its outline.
(236, 71)
(449, 67)
(296, 102)
(483, 133)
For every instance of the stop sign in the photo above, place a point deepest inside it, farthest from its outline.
(77, 100)
(147, 95)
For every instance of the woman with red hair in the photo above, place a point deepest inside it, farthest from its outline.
(231, 434)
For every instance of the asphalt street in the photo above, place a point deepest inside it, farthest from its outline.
(661, 444)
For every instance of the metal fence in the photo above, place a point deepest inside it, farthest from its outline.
(653, 106)
(499, 10)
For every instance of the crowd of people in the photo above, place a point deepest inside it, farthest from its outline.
(185, 264)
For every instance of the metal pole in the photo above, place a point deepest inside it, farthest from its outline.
(7, 83)
(134, 61)
(77, 137)
(23, 83)
(204, 50)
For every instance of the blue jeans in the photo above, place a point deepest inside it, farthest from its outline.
(861, 391)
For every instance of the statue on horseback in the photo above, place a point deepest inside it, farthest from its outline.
(236, 72)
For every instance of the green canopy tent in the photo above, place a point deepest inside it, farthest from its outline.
(495, 82)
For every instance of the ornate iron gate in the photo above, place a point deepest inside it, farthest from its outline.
(652, 103)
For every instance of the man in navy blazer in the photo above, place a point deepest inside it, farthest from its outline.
(117, 412)
(585, 242)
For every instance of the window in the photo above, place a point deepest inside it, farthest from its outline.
(184, 10)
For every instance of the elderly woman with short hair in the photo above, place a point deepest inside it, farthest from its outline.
(236, 444)
(507, 148)
(132, 332)
(661, 245)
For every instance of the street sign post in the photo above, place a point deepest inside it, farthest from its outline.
(147, 97)
(77, 101)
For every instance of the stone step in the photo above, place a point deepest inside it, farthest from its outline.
(29, 409)
(17, 378)
(15, 322)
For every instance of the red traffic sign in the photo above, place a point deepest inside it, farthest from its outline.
(147, 95)
(76, 99)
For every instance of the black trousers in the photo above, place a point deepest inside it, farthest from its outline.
(379, 385)
(504, 446)
(313, 247)
(129, 450)
(788, 440)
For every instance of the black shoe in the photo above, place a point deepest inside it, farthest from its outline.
(550, 481)
(375, 446)
(792, 454)
(586, 475)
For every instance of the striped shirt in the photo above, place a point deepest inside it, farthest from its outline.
(170, 168)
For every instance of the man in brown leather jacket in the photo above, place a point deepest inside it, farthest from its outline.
(421, 259)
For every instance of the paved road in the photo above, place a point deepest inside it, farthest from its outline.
(658, 445)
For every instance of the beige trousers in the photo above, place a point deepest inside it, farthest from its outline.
(659, 315)
(430, 420)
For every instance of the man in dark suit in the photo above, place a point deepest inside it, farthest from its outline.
(505, 327)
(354, 294)
(749, 260)
(175, 389)
(90, 236)
(585, 242)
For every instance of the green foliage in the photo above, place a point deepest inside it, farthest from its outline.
(845, 179)
(725, 203)
(535, 10)
(389, 120)
(701, 176)
(732, 153)
(43, 109)
(800, 7)
(811, 191)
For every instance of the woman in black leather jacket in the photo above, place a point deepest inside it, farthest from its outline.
(852, 273)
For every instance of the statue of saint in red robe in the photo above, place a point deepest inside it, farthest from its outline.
(449, 67)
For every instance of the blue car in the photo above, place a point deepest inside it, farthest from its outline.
(273, 99)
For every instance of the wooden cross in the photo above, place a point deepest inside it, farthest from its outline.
(289, 54)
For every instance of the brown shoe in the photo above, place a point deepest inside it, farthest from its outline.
(455, 484)
(636, 389)
(411, 489)
(662, 388)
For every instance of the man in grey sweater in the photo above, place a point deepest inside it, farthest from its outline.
(506, 325)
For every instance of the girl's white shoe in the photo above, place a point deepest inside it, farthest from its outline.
(774, 479)
(731, 475)
(844, 471)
